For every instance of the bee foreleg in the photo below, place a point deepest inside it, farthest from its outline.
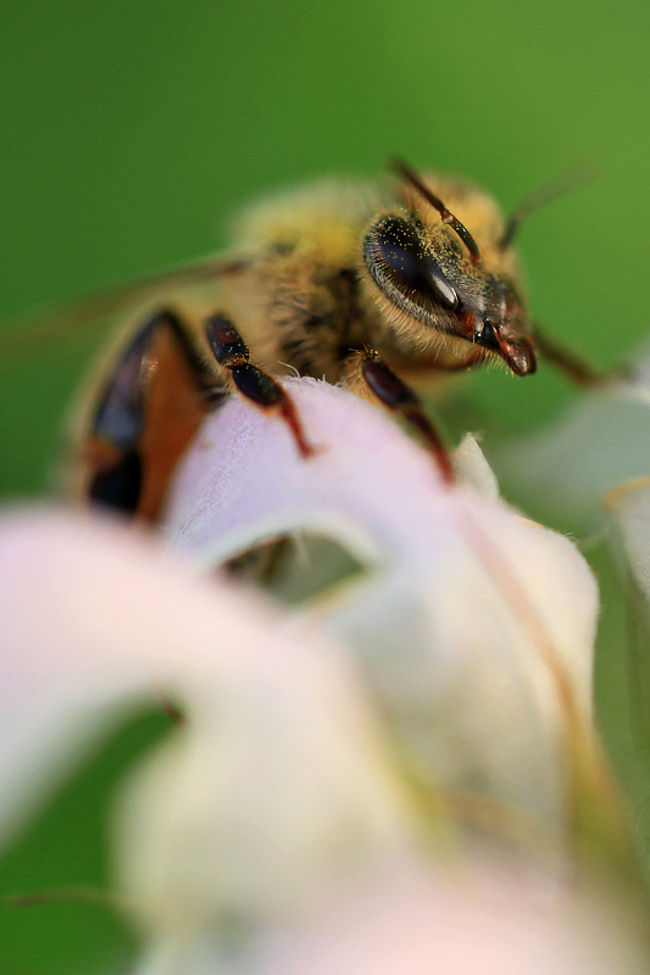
(156, 396)
(253, 383)
(369, 367)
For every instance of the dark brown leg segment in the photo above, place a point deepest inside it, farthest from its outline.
(157, 394)
(398, 397)
(232, 353)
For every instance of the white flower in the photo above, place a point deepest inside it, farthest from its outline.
(468, 614)
(319, 744)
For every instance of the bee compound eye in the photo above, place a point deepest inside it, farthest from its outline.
(396, 258)
(397, 245)
(445, 294)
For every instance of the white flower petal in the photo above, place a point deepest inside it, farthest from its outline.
(603, 440)
(452, 650)
(256, 813)
(460, 597)
(629, 505)
(472, 468)
(477, 916)
(279, 769)
(243, 480)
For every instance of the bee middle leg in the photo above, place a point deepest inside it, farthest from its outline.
(253, 383)
(369, 368)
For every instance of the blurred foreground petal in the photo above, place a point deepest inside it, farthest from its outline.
(279, 768)
(477, 916)
(480, 917)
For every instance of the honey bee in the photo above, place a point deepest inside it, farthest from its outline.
(356, 283)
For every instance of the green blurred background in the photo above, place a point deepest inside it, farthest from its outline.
(131, 131)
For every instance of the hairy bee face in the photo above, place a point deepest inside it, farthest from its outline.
(429, 278)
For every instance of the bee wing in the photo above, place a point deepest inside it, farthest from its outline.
(48, 323)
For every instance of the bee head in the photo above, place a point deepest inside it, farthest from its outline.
(435, 275)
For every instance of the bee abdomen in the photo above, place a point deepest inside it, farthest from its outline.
(119, 487)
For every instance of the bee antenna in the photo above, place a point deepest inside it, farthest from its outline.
(408, 174)
(564, 182)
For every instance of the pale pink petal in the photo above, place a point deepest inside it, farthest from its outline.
(565, 469)
(94, 618)
(369, 485)
(466, 607)
(479, 918)
(469, 916)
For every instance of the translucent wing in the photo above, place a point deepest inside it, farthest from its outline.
(48, 323)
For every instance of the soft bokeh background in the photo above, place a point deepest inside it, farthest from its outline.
(131, 131)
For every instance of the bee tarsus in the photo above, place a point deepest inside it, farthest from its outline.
(394, 394)
(253, 383)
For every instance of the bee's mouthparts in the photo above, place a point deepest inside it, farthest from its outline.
(519, 356)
